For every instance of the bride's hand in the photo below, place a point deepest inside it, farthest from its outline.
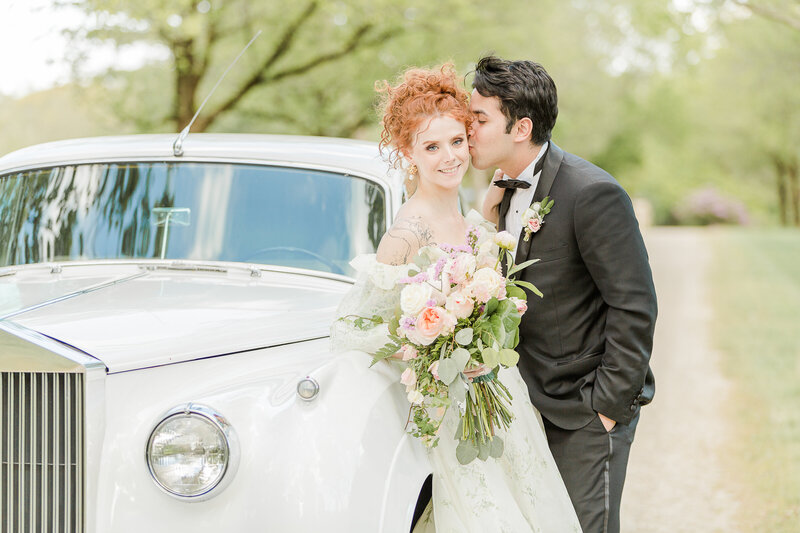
(491, 202)
(477, 371)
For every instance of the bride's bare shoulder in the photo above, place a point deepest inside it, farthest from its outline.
(400, 243)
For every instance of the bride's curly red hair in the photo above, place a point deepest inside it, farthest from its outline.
(418, 95)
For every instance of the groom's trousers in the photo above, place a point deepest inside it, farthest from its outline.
(592, 462)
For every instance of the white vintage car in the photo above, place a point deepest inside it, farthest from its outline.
(164, 323)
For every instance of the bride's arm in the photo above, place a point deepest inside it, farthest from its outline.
(404, 238)
(491, 202)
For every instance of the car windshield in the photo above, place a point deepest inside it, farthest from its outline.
(190, 211)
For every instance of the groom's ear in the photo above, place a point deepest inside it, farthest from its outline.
(523, 129)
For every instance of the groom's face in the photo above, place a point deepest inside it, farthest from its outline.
(489, 144)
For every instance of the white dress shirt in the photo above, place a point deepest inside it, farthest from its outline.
(522, 198)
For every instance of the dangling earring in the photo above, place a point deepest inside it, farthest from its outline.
(412, 171)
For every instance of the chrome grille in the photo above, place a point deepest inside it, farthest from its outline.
(41, 482)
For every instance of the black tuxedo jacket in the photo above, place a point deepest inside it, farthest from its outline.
(585, 347)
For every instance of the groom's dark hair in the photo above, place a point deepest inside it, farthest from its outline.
(524, 88)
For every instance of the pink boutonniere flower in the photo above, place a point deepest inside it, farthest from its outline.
(533, 217)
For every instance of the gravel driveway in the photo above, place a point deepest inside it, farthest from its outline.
(676, 481)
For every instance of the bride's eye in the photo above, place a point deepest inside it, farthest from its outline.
(458, 141)
(431, 148)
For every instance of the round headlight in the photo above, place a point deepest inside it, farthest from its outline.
(190, 451)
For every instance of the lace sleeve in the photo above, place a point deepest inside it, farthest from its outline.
(375, 292)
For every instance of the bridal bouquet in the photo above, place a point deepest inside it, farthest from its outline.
(457, 312)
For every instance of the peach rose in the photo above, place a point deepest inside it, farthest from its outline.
(486, 283)
(534, 225)
(431, 322)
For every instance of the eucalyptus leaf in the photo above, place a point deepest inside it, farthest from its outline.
(466, 452)
(447, 371)
(459, 429)
(483, 450)
(460, 357)
(471, 389)
(464, 336)
(491, 357)
(457, 391)
(491, 306)
(516, 292)
(508, 358)
(497, 447)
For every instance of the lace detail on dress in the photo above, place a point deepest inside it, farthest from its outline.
(376, 292)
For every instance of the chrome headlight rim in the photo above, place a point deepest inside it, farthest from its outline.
(221, 423)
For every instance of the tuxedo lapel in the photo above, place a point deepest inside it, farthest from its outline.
(552, 162)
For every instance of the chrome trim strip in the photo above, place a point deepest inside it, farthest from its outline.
(72, 295)
(53, 356)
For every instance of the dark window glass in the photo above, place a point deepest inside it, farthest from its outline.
(193, 211)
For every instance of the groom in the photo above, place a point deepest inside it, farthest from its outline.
(584, 348)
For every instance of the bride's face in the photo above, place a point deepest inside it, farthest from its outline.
(441, 152)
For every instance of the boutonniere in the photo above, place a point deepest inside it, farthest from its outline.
(533, 217)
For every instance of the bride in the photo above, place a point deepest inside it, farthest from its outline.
(425, 122)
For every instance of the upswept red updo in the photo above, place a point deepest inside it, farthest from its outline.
(418, 95)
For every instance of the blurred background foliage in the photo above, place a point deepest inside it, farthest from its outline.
(693, 105)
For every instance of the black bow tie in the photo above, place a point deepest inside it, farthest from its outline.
(522, 184)
(512, 184)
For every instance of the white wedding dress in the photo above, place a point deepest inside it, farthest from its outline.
(521, 491)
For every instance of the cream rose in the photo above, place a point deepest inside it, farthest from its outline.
(505, 240)
(485, 284)
(459, 304)
(415, 397)
(414, 297)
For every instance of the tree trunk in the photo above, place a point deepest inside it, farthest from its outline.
(186, 82)
(781, 187)
(794, 191)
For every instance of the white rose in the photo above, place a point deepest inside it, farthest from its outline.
(414, 298)
(489, 248)
(536, 207)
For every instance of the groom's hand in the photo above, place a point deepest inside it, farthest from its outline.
(607, 422)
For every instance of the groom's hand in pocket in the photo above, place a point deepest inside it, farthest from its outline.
(607, 422)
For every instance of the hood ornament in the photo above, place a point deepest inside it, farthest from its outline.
(177, 146)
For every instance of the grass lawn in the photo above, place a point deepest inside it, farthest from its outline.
(755, 281)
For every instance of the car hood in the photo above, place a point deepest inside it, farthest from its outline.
(136, 316)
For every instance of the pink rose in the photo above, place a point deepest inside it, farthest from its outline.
(534, 224)
(522, 305)
(409, 379)
(461, 267)
(409, 352)
(431, 322)
(460, 304)
(434, 369)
